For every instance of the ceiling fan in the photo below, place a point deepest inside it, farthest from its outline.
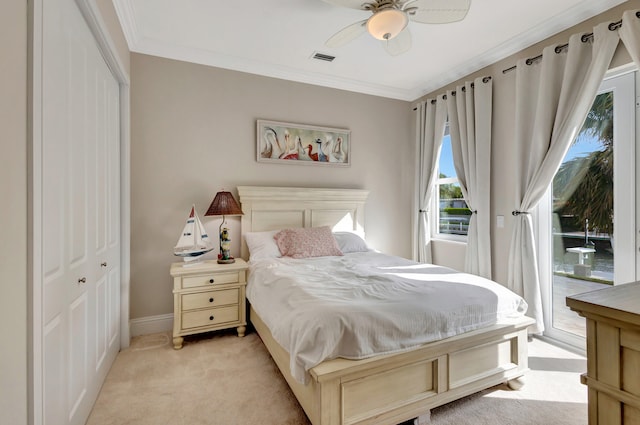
(389, 20)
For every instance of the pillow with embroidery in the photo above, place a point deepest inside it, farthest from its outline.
(307, 242)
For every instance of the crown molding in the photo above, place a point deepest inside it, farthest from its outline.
(126, 15)
(585, 10)
(204, 57)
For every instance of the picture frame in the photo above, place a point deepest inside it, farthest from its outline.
(288, 143)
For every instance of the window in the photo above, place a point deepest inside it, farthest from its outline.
(451, 213)
(594, 188)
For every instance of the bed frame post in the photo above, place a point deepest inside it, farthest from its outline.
(330, 403)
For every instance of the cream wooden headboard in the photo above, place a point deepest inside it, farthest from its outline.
(271, 208)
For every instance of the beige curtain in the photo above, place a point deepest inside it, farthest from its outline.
(469, 110)
(553, 98)
(431, 117)
(630, 34)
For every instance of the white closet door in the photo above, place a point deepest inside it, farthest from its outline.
(79, 216)
(106, 227)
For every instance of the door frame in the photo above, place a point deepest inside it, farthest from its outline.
(106, 46)
(543, 223)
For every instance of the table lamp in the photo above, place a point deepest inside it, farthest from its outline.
(224, 204)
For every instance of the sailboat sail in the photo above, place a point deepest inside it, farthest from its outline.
(194, 240)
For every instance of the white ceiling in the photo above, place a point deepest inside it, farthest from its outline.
(277, 38)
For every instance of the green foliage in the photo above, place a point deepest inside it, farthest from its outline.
(450, 191)
(456, 211)
(583, 187)
(599, 121)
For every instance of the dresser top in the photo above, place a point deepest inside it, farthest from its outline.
(207, 266)
(621, 302)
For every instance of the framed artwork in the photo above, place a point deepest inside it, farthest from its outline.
(286, 143)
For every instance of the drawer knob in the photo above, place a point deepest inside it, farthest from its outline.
(211, 299)
(210, 280)
(210, 317)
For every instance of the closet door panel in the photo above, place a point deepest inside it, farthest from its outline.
(54, 372)
(113, 165)
(100, 163)
(54, 168)
(80, 145)
(80, 233)
(113, 316)
(78, 378)
(101, 321)
(106, 227)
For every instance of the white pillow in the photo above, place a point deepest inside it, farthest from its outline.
(262, 245)
(350, 242)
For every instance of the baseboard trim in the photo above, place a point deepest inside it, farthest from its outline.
(151, 324)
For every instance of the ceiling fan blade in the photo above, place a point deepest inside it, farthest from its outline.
(399, 44)
(352, 4)
(347, 34)
(437, 11)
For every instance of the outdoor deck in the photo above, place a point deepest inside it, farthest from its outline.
(564, 286)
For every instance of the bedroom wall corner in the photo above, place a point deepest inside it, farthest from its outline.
(13, 225)
(194, 133)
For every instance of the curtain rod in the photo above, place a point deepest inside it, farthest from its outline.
(444, 96)
(612, 27)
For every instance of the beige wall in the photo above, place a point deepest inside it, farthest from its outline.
(13, 214)
(503, 150)
(194, 133)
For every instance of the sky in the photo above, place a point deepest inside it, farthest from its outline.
(446, 158)
(583, 146)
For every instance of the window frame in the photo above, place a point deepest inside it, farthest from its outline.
(434, 214)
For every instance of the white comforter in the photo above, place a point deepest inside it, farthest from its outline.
(364, 304)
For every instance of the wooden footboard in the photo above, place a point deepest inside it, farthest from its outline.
(389, 389)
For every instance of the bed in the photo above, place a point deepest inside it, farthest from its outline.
(386, 388)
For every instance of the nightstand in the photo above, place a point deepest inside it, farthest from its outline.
(208, 296)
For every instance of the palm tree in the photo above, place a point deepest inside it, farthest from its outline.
(583, 186)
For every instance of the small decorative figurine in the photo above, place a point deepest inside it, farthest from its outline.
(225, 248)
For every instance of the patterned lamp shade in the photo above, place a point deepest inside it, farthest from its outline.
(224, 204)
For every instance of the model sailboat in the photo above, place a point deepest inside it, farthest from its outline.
(193, 241)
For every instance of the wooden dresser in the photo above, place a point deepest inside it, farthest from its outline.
(613, 353)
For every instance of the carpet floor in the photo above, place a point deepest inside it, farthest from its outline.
(220, 379)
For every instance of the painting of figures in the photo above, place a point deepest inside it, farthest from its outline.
(286, 143)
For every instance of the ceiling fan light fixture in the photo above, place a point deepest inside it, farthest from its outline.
(387, 23)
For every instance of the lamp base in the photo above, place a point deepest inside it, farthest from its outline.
(227, 261)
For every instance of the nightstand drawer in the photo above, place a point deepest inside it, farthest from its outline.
(210, 299)
(211, 279)
(214, 316)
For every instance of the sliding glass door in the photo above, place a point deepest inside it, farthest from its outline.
(588, 222)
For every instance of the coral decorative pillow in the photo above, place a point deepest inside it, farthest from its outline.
(307, 242)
